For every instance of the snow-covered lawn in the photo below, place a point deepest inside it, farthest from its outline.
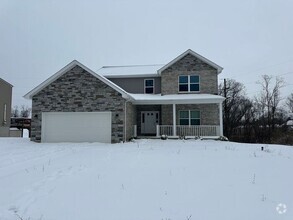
(145, 180)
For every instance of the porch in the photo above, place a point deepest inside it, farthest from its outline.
(187, 131)
(189, 115)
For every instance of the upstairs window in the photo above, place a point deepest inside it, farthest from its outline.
(149, 86)
(191, 117)
(189, 83)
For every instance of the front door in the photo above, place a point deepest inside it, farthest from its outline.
(149, 120)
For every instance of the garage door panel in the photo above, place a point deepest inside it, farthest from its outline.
(76, 127)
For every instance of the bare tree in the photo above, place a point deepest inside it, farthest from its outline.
(25, 111)
(236, 104)
(15, 111)
(289, 102)
(268, 101)
(255, 121)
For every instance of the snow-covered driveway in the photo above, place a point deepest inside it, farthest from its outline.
(145, 180)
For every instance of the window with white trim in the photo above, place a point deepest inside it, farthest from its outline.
(149, 86)
(189, 83)
(190, 117)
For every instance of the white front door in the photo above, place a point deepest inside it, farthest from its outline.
(149, 120)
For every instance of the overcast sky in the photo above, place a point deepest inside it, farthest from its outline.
(248, 38)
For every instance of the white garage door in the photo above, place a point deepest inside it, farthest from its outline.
(76, 127)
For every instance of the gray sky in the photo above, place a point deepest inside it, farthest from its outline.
(247, 38)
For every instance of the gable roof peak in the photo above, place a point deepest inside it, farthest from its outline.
(189, 51)
(6, 82)
(64, 70)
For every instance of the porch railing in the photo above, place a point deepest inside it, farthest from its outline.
(164, 130)
(186, 130)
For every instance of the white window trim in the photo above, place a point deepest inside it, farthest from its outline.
(149, 86)
(188, 84)
(189, 117)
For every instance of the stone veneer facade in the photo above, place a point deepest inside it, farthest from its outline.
(209, 113)
(189, 65)
(78, 91)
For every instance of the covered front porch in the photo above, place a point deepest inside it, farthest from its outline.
(179, 115)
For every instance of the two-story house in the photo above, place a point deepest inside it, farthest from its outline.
(5, 107)
(119, 102)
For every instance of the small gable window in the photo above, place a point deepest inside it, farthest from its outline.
(189, 83)
(191, 117)
(149, 86)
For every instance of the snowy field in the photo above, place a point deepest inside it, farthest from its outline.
(145, 180)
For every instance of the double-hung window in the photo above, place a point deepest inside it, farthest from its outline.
(189, 83)
(149, 86)
(189, 117)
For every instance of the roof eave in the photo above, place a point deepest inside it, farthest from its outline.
(6, 82)
(167, 102)
(214, 100)
(131, 76)
(51, 79)
(69, 66)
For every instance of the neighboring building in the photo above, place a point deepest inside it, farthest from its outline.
(116, 103)
(5, 107)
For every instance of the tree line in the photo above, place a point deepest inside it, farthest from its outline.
(261, 119)
(22, 111)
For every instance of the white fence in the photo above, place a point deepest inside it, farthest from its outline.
(186, 130)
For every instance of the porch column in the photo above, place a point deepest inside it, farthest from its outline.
(174, 120)
(221, 118)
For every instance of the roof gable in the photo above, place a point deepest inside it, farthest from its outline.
(2, 80)
(205, 60)
(64, 70)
